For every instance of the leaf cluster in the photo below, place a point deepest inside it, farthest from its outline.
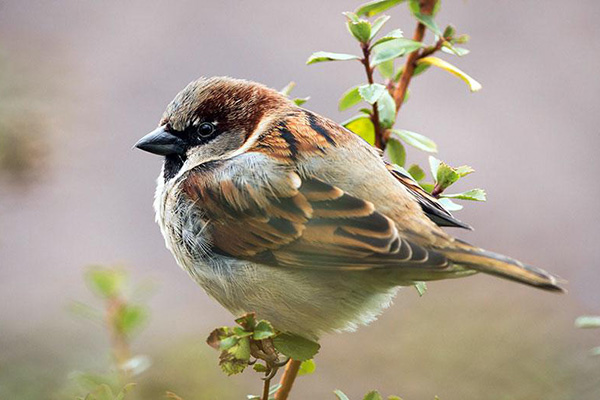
(381, 52)
(122, 319)
(258, 339)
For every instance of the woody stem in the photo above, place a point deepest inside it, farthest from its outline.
(287, 380)
(366, 61)
(399, 92)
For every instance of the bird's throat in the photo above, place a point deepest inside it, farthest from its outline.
(173, 164)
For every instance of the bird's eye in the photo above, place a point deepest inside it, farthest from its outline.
(206, 129)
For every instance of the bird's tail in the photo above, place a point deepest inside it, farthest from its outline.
(491, 263)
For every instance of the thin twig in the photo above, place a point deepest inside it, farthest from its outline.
(266, 387)
(432, 49)
(411, 60)
(287, 380)
(366, 61)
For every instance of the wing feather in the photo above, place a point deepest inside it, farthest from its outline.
(292, 221)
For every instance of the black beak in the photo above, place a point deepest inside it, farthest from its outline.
(161, 142)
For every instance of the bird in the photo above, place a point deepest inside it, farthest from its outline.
(276, 210)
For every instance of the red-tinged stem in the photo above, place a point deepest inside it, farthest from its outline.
(287, 380)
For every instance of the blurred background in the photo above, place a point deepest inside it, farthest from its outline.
(81, 81)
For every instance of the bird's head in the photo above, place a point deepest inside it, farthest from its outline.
(210, 120)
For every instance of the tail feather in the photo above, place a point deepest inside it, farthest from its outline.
(502, 266)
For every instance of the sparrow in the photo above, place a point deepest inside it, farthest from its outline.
(276, 210)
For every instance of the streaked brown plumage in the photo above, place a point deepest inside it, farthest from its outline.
(277, 205)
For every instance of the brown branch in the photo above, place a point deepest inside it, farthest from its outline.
(432, 49)
(266, 388)
(411, 60)
(366, 61)
(287, 380)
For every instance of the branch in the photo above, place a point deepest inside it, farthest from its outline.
(366, 61)
(287, 380)
(411, 60)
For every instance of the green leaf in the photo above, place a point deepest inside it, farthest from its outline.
(449, 205)
(288, 88)
(394, 48)
(321, 56)
(429, 22)
(419, 69)
(130, 318)
(371, 93)
(428, 187)
(374, 395)
(233, 366)
(378, 24)
(360, 29)
(216, 337)
(434, 165)
(395, 34)
(464, 170)
(474, 86)
(351, 16)
(436, 7)
(375, 7)
(307, 367)
(416, 172)
(258, 367)
(228, 342)
(457, 51)
(414, 6)
(235, 359)
(588, 322)
(449, 32)
(247, 321)
(386, 106)
(393, 398)
(446, 175)
(386, 69)
(473, 194)
(416, 140)
(349, 99)
(263, 330)
(106, 282)
(421, 288)
(396, 152)
(340, 395)
(295, 346)
(301, 100)
(462, 39)
(362, 126)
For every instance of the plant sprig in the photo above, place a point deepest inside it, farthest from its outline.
(384, 100)
(256, 342)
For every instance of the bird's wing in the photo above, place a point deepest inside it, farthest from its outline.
(430, 205)
(269, 213)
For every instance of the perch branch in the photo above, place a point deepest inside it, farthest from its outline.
(287, 380)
